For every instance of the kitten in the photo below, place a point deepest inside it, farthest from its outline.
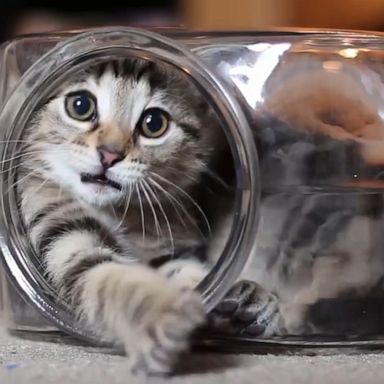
(111, 190)
(318, 266)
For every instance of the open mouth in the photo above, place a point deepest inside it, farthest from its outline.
(100, 179)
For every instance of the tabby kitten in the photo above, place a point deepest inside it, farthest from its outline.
(110, 193)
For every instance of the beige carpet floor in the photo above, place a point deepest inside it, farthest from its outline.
(37, 362)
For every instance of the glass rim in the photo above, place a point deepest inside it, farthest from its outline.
(187, 32)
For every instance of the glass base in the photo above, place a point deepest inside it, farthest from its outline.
(47, 336)
(292, 345)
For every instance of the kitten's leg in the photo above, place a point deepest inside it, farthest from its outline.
(129, 305)
(248, 309)
(136, 307)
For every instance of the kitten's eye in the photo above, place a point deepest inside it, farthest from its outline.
(81, 106)
(153, 123)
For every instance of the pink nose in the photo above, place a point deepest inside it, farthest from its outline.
(109, 155)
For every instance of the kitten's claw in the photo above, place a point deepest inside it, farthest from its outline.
(247, 310)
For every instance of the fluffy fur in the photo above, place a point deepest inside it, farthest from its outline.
(125, 252)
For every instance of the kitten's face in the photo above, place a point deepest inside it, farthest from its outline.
(123, 126)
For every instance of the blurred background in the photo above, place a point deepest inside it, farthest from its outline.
(23, 16)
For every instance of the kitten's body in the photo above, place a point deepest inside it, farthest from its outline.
(113, 213)
(320, 238)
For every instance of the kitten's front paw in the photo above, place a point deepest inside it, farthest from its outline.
(247, 310)
(137, 308)
(168, 334)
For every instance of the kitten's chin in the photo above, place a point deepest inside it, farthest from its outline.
(99, 195)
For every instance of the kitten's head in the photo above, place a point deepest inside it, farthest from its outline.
(122, 124)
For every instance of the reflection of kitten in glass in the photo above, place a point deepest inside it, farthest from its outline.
(319, 247)
(113, 173)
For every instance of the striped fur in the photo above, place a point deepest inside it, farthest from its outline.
(95, 242)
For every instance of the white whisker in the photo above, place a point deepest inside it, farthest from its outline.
(166, 220)
(187, 196)
(113, 210)
(41, 185)
(141, 209)
(29, 174)
(25, 154)
(126, 207)
(145, 186)
(172, 199)
(12, 168)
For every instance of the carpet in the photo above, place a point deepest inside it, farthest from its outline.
(41, 362)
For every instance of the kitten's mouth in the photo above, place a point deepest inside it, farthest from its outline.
(100, 179)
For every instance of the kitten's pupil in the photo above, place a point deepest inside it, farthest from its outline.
(154, 122)
(80, 106)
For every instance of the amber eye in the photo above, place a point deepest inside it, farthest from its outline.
(153, 123)
(81, 106)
